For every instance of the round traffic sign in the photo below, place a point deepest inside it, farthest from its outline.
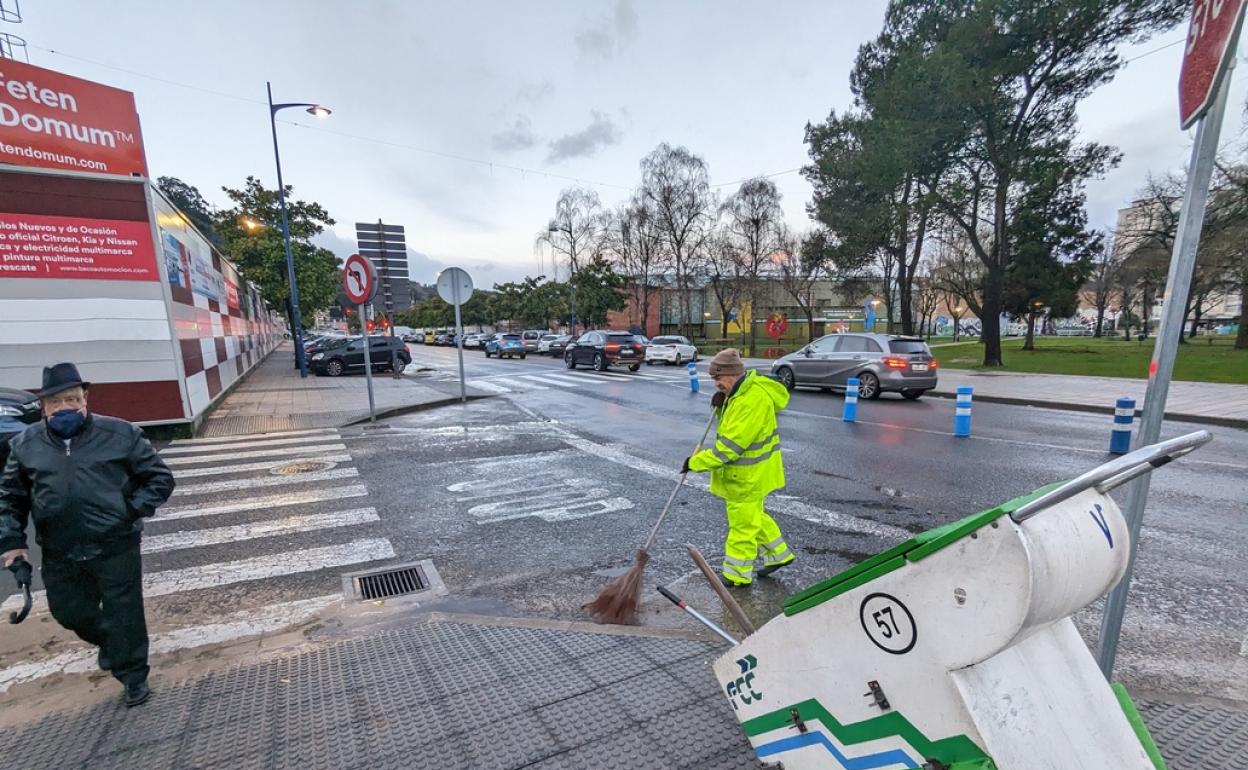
(454, 280)
(359, 279)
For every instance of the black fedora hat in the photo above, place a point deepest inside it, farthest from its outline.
(60, 377)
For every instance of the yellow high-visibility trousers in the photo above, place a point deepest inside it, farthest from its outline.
(751, 534)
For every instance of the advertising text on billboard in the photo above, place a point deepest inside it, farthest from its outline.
(35, 246)
(52, 120)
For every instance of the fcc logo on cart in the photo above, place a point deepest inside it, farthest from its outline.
(743, 687)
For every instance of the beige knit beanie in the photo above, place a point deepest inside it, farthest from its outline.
(728, 362)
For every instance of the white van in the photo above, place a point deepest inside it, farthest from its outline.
(530, 339)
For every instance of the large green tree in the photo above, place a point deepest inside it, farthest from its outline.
(599, 290)
(251, 235)
(190, 202)
(1009, 75)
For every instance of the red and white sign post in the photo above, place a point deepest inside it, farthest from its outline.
(1204, 81)
(359, 283)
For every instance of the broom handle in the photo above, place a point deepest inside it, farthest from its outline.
(679, 483)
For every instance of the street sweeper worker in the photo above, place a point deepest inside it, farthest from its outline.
(745, 465)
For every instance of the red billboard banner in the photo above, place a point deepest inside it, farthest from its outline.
(1204, 62)
(51, 120)
(34, 246)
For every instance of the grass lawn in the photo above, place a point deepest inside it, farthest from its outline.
(1198, 361)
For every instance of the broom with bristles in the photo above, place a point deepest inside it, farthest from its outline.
(618, 601)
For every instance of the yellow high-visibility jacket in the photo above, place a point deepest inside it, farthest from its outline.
(745, 461)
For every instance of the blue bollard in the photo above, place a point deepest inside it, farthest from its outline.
(1120, 438)
(693, 377)
(962, 412)
(850, 412)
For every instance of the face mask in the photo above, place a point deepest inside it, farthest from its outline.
(67, 422)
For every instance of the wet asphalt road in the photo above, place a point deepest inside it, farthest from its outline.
(852, 491)
(530, 501)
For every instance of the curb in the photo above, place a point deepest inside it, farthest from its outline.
(410, 408)
(1226, 422)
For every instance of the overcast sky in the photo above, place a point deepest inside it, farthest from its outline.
(426, 96)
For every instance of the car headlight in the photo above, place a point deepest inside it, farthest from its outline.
(318, 356)
(7, 410)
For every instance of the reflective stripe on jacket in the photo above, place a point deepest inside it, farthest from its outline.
(745, 459)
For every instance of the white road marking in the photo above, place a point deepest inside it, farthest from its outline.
(290, 525)
(282, 452)
(237, 625)
(527, 379)
(261, 503)
(251, 437)
(213, 487)
(489, 386)
(1061, 447)
(217, 470)
(217, 448)
(223, 573)
(789, 506)
(563, 379)
(578, 510)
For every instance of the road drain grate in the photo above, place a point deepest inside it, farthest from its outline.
(393, 582)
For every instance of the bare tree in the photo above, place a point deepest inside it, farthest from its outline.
(754, 231)
(726, 273)
(798, 265)
(927, 296)
(633, 237)
(1148, 239)
(674, 182)
(575, 233)
(1099, 288)
(959, 276)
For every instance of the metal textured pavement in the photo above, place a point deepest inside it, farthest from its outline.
(466, 695)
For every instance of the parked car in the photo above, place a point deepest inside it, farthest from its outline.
(530, 338)
(881, 362)
(348, 355)
(543, 345)
(603, 349)
(504, 344)
(18, 408)
(671, 350)
(559, 345)
(474, 340)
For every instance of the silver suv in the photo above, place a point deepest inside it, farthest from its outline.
(881, 362)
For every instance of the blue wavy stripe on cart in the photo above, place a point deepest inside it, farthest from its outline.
(869, 762)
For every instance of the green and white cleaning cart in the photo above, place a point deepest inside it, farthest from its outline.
(955, 650)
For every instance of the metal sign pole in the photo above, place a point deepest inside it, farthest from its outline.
(368, 362)
(1165, 350)
(459, 336)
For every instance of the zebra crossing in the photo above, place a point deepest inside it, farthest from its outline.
(520, 383)
(293, 498)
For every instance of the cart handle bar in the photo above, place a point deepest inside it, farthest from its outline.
(1116, 472)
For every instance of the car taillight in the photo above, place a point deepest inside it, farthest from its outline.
(893, 362)
(931, 364)
(613, 346)
(406, 349)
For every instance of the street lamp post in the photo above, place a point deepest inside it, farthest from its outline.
(319, 111)
(554, 228)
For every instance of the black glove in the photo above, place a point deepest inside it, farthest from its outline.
(718, 399)
(684, 468)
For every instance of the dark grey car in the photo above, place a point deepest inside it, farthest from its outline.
(881, 362)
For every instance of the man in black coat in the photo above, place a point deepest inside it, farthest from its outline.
(88, 481)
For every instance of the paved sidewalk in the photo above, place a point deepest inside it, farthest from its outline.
(466, 692)
(274, 397)
(1206, 402)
